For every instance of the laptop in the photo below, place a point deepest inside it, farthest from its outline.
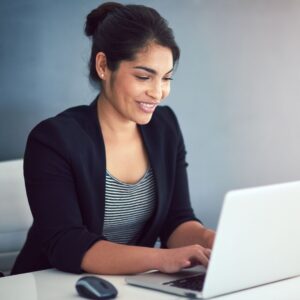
(257, 242)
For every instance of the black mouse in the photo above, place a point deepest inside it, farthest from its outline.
(93, 287)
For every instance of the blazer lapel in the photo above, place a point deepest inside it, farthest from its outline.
(154, 150)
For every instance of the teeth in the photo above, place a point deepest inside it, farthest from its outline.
(148, 107)
(148, 104)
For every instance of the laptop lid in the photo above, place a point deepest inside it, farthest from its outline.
(257, 239)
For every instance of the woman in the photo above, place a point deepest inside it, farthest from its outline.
(105, 181)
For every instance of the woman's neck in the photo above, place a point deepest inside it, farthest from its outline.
(112, 122)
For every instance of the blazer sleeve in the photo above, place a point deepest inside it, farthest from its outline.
(180, 209)
(52, 197)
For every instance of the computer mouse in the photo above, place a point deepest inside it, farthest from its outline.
(93, 287)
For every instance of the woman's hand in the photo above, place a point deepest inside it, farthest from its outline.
(209, 237)
(173, 260)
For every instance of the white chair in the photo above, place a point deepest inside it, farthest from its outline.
(15, 215)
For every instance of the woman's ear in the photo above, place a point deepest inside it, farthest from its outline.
(101, 65)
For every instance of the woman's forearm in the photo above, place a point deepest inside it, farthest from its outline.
(115, 259)
(109, 258)
(190, 233)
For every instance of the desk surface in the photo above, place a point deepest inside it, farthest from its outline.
(53, 284)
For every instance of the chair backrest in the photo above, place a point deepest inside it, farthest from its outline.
(15, 215)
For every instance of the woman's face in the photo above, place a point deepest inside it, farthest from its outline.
(138, 86)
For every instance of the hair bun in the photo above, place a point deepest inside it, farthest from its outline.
(96, 16)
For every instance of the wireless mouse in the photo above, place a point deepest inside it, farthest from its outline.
(93, 287)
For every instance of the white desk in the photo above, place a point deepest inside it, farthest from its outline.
(52, 284)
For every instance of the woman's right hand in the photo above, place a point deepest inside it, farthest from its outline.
(173, 260)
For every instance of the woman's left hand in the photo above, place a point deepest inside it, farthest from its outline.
(209, 237)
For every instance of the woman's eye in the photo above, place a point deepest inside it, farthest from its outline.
(142, 77)
(147, 77)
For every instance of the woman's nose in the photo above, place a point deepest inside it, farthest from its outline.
(155, 91)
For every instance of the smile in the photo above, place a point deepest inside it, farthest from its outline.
(147, 107)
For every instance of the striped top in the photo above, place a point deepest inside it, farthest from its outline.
(128, 207)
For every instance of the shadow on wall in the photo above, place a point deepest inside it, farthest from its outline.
(40, 73)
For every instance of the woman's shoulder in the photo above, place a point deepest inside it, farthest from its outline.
(68, 120)
(70, 126)
(71, 135)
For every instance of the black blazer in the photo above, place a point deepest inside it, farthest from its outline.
(64, 170)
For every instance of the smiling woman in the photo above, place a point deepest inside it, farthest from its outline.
(105, 181)
(137, 86)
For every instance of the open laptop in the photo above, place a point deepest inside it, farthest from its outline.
(257, 242)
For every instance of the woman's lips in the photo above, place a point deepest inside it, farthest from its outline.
(147, 107)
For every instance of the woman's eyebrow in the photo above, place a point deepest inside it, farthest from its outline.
(149, 70)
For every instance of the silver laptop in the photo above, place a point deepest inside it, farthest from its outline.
(257, 242)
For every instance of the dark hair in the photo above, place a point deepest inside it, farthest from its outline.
(120, 31)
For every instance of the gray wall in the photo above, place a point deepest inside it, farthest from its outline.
(236, 91)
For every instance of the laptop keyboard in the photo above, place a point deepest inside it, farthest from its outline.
(191, 283)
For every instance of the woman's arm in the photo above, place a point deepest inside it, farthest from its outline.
(105, 257)
(190, 233)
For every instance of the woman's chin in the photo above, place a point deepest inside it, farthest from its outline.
(144, 120)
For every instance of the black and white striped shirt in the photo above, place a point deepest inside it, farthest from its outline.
(128, 207)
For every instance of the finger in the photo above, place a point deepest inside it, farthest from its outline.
(186, 264)
(202, 258)
(207, 252)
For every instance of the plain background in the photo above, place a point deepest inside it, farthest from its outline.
(236, 91)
